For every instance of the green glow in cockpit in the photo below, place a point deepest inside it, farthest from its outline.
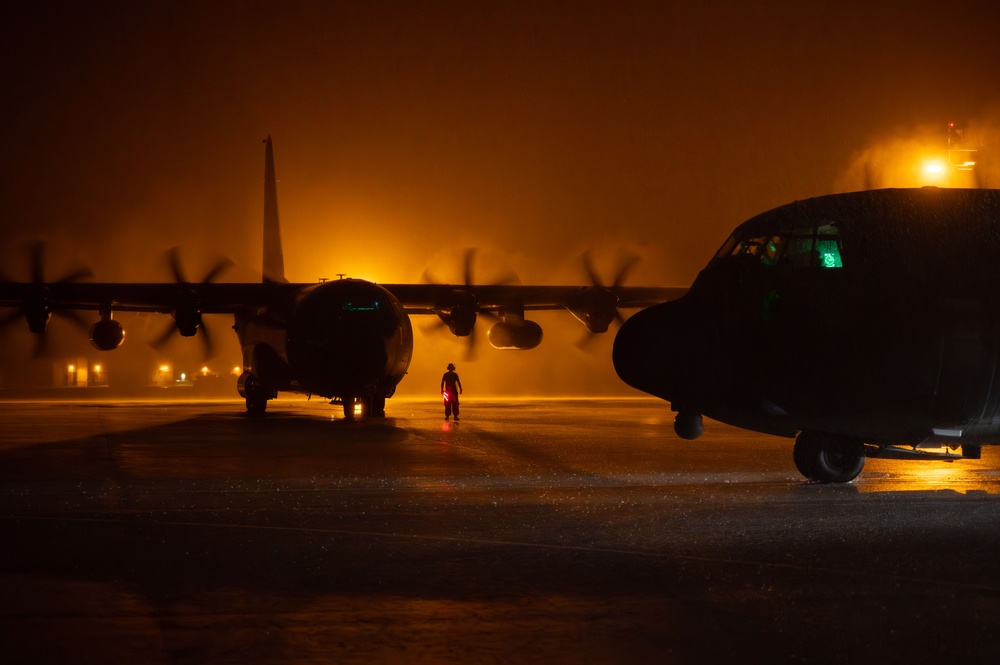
(820, 248)
(350, 306)
(829, 253)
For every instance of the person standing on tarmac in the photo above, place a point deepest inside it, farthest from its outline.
(451, 388)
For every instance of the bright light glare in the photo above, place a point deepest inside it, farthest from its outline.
(357, 409)
(934, 168)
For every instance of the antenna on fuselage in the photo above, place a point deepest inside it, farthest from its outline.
(273, 267)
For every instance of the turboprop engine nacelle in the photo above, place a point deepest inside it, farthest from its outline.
(595, 307)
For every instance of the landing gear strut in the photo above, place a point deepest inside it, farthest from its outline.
(828, 458)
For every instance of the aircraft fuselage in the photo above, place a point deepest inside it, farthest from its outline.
(870, 316)
(347, 339)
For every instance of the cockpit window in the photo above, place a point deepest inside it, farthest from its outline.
(818, 248)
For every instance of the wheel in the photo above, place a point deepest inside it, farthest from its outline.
(256, 396)
(256, 405)
(349, 408)
(376, 408)
(828, 458)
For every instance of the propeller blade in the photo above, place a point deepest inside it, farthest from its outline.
(586, 340)
(174, 261)
(220, 267)
(427, 277)
(625, 268)
(41, 349)
(470, 256)
(77, 275)
(434, 325)
(165, 336)
(73, 317)
(10, 318)
(37, 274)
(588, 268)
(37, 250)
(206, 340)
(472, 346)
(468, 277)
(623, 272)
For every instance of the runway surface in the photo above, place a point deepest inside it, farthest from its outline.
(575, 531)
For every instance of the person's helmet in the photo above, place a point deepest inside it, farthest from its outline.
(451, 365)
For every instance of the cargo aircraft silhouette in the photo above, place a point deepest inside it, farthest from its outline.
(349, 340)
(865, 324)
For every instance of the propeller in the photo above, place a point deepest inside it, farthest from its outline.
(37, 307)
(459, 310)
(187, 315)
(597, 305)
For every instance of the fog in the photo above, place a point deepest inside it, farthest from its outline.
(407, 132)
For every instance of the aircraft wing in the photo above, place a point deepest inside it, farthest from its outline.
(428, 298)
(142, 297)
(216, 298)
(594, 306)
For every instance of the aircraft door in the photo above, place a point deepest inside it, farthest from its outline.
(966, 379)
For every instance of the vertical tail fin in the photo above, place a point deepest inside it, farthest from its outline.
(274, 261)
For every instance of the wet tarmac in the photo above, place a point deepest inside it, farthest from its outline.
(559, 531)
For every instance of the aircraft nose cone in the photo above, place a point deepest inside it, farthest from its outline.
(649, 351)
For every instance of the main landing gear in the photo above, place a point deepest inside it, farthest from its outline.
(371, 407)
(828, 458)
(255, 394)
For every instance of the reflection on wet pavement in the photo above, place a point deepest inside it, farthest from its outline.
(578, 531)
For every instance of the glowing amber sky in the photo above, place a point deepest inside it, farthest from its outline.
(405, 132)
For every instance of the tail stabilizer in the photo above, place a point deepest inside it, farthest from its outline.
(273, 268)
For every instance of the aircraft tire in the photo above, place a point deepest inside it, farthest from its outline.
(256, 398)
(256, 406)
(349, 407)
(824, 458)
